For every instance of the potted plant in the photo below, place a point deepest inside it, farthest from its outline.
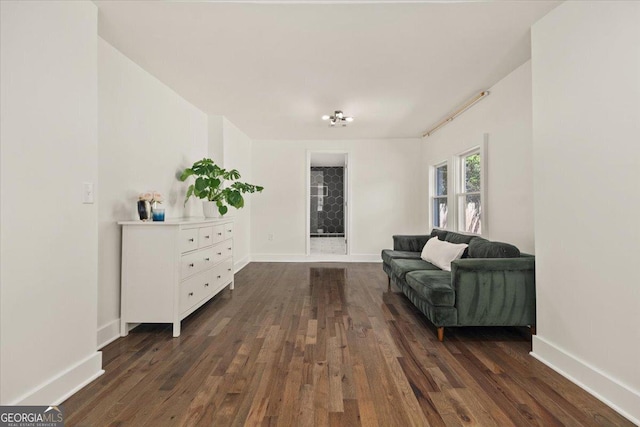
(209, 186)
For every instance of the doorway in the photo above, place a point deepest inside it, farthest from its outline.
(327, 207)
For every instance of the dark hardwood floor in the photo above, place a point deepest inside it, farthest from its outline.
(326, 344)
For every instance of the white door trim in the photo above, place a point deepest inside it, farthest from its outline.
(347, 197)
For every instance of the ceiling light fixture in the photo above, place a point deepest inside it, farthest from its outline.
(337, 118)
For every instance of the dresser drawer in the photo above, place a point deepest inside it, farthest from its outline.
(228, 248)
(195, 289)
(218, 233)
(228, 231)
(222, 273)
(188, 240)
(205, 237)
(220, 251)
(227, 266)
(196, 262)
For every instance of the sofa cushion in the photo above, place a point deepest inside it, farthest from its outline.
(438, 315)
(440, 234)
(401, 267)
(410, 243)
(457, 238)
(388, 255)
(434, 286)
(483, 248)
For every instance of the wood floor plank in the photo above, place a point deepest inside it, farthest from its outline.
(368, 415)
(334, 364)
(325, 344)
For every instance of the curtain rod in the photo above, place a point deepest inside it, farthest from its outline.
(456, 113)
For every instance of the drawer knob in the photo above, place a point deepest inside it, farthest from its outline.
(191, 240)
(191, 265)
(206, 259)
(219, 253)
(228, 269)
(219, 277)
(229, 248)
(219, 234)
(207, 237)
(190, 294)
(206, 285)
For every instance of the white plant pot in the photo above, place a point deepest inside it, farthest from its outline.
(210, 210)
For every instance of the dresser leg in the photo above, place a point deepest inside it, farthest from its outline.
(176, 329)
(231, 286)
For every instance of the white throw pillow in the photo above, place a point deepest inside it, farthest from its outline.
(440, 253)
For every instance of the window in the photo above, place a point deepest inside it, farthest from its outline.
(439, 201)
(469, 192)
(458, 191)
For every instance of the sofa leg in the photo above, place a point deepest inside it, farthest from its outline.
(533, 329)
(441, 333)
(389, 283)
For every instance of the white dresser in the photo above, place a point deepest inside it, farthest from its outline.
(171, 268)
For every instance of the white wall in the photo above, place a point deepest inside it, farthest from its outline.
(147, 135)
(386, 195)
(216, 138)
(49, 241)
(505, 115)
(586, 116)
(237, 155)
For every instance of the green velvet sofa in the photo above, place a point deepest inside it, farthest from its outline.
(493, 284)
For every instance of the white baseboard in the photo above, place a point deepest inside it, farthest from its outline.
(240, 264)
(57, 389)
(108, 333)
(612, 392)
(315, 258)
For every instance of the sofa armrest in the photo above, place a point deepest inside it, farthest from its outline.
(408, 243)
(495, 291)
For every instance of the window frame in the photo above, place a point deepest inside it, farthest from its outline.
(455, 189)
(433, 194)
(460, 192)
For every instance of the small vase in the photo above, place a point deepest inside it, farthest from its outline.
(144, 210)
(157, 212)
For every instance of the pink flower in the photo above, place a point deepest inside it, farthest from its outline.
(157, 197)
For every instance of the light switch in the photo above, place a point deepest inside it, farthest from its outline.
(87, 192)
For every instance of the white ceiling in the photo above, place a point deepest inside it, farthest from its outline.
(274, 69)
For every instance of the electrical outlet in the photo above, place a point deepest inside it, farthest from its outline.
(270, 237)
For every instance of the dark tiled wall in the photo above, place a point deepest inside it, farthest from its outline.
(330, 217)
